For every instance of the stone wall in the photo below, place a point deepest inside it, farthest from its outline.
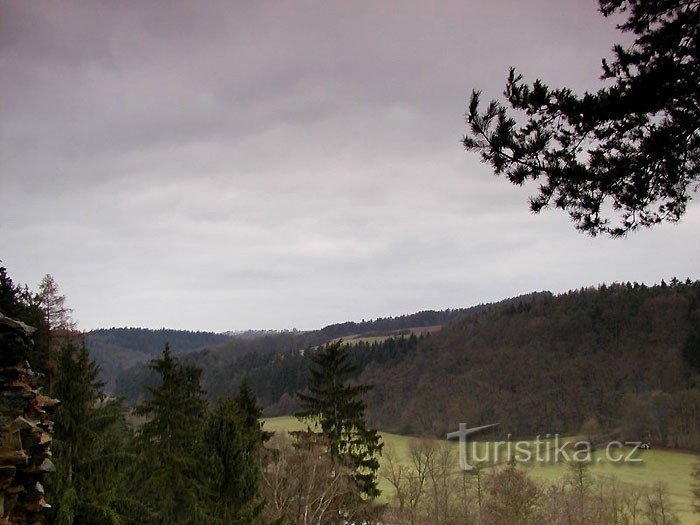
(25, 429)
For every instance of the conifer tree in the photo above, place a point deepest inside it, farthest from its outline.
(18, 302)
(58, 316)
(172, 476)
(60, 328)
(89, 445)
(247, 403)
(624, 157)
(234, 436)
(338, 409)
(78, 389)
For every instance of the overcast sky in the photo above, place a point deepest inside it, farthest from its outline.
(256, 164)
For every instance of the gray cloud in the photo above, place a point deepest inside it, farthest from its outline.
(219, 165)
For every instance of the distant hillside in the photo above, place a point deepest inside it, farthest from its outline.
(115, 349)
(225, 364)
(622, 359)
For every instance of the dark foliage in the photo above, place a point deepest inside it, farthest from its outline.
(19, 302)
(276, 363)
(115, 349)
(171, 473)
(234, 436)
(614, 353)
(339, 411)
(631, 149)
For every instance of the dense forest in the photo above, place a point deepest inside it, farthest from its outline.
(622, 358)
(613, 361)
(617, 360)
(115, 349)
(225, 364)
(174, 457)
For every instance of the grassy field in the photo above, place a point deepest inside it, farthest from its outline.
(378, 338)
(672, 468)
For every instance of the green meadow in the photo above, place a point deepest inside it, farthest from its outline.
(670, 467)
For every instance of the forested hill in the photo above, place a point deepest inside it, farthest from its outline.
(115, 349)
(247, 353)
(151, 342)
(618, 360)
(623, 359)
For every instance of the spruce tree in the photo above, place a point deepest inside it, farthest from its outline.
(20, 303)
(172, 478)
(78, 389)
(90, 444)
(234, 436)
(247, 403)
(339, 411)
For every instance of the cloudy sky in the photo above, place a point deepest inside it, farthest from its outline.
(222, 165)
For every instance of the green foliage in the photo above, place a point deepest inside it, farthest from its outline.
(338, 409)
(633, 146)
(170, 477)
(89, 447)
(17, 301)
(116, 349)
(78, 389)
(234, 437)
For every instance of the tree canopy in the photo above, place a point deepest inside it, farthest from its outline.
(624, 157)
(169, 473)
(338, 409)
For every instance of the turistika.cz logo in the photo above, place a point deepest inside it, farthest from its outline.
(548, 449)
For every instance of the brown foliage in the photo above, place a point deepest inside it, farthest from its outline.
(551, 364)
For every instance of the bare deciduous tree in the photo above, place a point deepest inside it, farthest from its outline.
(303, 486)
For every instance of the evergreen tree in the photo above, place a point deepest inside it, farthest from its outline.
(247, 403)
(89, 447)
(18, 302)
(172, 478)
(234, 436)
(632, 146)
(78, 390)
(12, 302)
(338, 409)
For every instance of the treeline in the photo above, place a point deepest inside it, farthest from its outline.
(116, 349)
(274, 378)
(621, 359)
(150, 341)
(424, 318)
(177, 458)
(618, 360)
(224, 363)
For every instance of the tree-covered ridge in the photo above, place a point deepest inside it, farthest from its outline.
(150, 341)
(275, 378)
(115, 349)
(226, 363)
(620, 358)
